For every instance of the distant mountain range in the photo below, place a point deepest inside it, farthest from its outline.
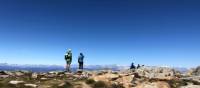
(34, 68)
(46, 68)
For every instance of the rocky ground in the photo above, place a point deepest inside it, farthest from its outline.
(144, 77)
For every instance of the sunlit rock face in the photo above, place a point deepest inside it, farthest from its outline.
(154, 85)
(156, 72)
(196, 71)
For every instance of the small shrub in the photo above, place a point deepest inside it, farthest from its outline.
(117, 86)
(1, 85)
(17, 86)
(66, 85)
(177, 83)
(100, 84)
(89, 81)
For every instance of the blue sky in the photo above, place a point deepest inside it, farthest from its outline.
(150, 32)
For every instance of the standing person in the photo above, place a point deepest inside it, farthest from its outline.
(80, 60)
(68, 59)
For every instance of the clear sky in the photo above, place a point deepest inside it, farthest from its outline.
(150, 32)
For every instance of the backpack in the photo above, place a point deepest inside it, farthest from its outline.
(68, 56)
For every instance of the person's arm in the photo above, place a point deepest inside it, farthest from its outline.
(65, 56)
(79, 58)
(83, 58)
(71, 57)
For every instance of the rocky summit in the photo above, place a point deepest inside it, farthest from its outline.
(143, 77)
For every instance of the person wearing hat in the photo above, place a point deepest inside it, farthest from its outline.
(80, 61)
(68, 59)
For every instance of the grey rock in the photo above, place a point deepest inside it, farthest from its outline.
(6, 73)
(31, 85)
(16, 82)
(44, 79)
(3, 73)
(156, 72)
(197, 71)
(191, 86)
(34, 75)
(4, 76)
(18, 73)
(194, 78)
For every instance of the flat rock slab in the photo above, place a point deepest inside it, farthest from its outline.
(16, 82)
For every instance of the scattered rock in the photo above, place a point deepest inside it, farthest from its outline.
(154, 85)
(16, 82)
(115, 72)
(196, 71)
(51, 75)
(9, 73)
(191, 86)
(52, 72)
(106, 77)
(101, 72)
(76, 76)
(112, 77)
(126, 80)
(4, 76)
(65, 84)
(192, 78)
(144, 77)
(19, 73)
(123, 74)
(68, 74)
(31, 85)
(55, 72)
(61, 85)
(34, 75)
(3, 73)
(43, 79)
(156, 72)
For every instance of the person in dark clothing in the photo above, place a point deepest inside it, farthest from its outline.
(132, 66)
(80, 60)
(138, 66)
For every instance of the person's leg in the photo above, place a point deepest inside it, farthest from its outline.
(82, 65)
(67, 68)
(79, 65)
(70, 67)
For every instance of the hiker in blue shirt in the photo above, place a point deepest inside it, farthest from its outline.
(80, 60)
